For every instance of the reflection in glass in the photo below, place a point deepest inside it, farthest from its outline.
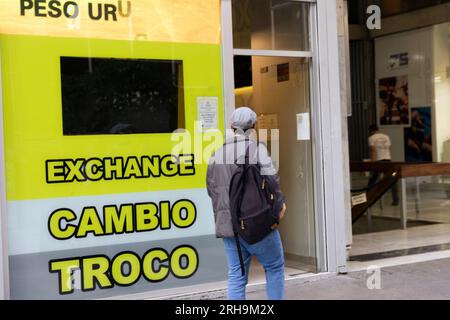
(271, 25)
(278, 90)
(114, 96)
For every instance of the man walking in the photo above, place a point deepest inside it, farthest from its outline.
(269, 251)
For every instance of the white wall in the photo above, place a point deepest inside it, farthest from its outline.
(441, 62)
(428, 50)
(418, 44)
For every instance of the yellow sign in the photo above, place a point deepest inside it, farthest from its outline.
(106, 273)
(92, 205)
(190, 21)
(37, 149)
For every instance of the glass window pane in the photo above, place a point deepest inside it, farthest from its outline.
(88, 112)
(271, 25)
(114, 96)
(278, 90)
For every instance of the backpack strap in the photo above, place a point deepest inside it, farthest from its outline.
(236, 235)
(241, 260)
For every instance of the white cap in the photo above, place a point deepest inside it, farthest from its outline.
(243, 118)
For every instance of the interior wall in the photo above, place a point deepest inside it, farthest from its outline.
(441, 76)
(418, 45)
(428, 79)
(286, 99)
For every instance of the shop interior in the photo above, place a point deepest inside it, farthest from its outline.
(401, 82)
(408, 63)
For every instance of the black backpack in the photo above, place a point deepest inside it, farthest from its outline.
(252, 203)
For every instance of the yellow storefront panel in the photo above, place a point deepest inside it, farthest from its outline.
(193, 21)
(84, 203)
(33, 113)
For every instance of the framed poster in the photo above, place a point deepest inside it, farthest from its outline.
(393, 102)
(418, 138)
(283, 72)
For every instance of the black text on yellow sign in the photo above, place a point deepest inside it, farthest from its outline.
(118, 168)
(71, 9)
(64, 224)
(155, 266)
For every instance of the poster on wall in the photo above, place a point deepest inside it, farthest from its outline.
(283, 72)
(418, 141)
(393, 105)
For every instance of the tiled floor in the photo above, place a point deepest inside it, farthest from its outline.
(433, 206)
(401, 252)
(423, 238)
(400, 239)
(433, 199)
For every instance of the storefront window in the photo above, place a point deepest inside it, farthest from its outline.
(99, 201)
(408, 115)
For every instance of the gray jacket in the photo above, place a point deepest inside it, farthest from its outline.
(220, 171)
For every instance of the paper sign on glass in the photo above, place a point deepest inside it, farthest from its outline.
(268, 121)
(303, 128)
(207, 112)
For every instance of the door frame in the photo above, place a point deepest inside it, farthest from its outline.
(4, 260)
(326, 126)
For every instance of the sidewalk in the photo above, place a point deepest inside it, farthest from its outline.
(424, 280)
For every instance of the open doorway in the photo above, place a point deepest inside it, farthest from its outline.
(278, 90)
(406, 104)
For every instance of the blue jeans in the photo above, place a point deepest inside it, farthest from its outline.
(269, 253)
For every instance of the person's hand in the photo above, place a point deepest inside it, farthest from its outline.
(283, 211)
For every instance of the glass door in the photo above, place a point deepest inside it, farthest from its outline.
(272, 65)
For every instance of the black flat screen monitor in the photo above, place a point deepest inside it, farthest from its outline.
(117, 96)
